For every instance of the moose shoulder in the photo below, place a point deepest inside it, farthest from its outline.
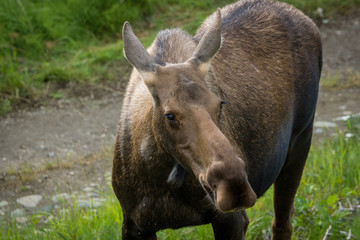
(210, 122)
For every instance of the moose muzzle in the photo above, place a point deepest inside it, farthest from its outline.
(229, 185)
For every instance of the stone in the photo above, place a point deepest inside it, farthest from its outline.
(324, 124)
(30, 201)
(93, 203)
(3, 203)
(19, 212)
(82, 203)
(349, 135)
(88, 189)
(318, 130)
(47, 208)
(60, 197)
(51, 154)
(343, 118)
(21, 220)
(97, 202)
(92, 195)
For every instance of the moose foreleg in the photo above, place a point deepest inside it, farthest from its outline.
(131, 232)
(230, 226)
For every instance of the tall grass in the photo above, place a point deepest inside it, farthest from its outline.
(331, 177)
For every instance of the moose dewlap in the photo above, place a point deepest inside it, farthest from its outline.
(209, 122)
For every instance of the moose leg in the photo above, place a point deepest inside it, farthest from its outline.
(286, 184)
(230, 226)
(131, 232)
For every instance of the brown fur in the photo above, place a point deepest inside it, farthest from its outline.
(267, 71)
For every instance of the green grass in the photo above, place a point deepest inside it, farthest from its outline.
(331, 177)
(48, 45)
(346, 79)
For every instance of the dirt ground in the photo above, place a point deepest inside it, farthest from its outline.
(66, 145)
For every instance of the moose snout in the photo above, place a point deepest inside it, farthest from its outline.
(230, 186)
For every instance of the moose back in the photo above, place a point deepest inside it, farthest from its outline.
(209, 122)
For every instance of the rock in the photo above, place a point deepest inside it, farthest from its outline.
(3, 204)
(82, 203)
(30, 201)
(19, 212)
(349, 135)
(343, 107)
(338, 32)
(60, 197)
(51, 154)
(93, 203)
(21, 220)
(318, 130)
(75, 194)
(88, 189)
(343, 118)
(347, 116)
(320, 12)
(97, 202)
(324, 124)
(92, 195)
(48, 208)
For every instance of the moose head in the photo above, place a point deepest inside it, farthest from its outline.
(186, 118)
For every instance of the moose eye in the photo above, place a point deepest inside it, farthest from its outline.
(170, 116)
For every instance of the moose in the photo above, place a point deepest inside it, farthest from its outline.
(209, 122)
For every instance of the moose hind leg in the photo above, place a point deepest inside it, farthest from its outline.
(286, 185)
(230, 226)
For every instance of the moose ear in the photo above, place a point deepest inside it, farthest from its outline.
(137, 56)
(209, 43)
(136, 53)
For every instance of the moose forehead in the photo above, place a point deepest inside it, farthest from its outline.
(186, 86)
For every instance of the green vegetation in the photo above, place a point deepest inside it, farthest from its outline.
(329, 7)
(50, 45)
(346, 79)
(331, 177)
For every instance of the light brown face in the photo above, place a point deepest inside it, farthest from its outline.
(188, 113)
(191, 113)
(188, 109)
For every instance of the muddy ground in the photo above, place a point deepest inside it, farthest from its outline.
(66, 145)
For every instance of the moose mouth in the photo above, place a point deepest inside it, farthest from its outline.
(210, 191)
(177, 176)
(230, 192)
(212, 195)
